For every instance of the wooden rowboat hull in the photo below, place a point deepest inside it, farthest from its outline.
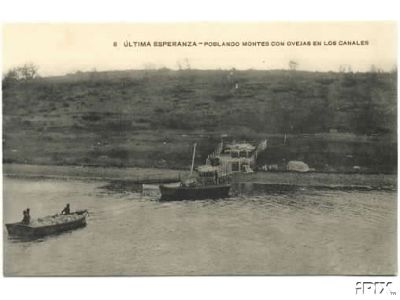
(26, 230)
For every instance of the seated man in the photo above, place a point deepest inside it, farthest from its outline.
(66, 210)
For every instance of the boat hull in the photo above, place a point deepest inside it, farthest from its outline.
(194, 193)
(25, 230)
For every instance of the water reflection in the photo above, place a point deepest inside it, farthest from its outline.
(118, 186)
(40, 239)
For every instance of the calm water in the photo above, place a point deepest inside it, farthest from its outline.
(254, 232)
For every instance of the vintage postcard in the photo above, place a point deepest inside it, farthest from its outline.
(199, 149)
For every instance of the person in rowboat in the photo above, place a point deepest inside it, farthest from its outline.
(27, 216)
(66, 210)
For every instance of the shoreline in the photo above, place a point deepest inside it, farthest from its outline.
(337, 181)
(331, 181)
(137, 175)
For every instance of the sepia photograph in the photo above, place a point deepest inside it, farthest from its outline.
(199, 149)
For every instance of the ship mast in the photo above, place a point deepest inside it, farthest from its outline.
(194, 154)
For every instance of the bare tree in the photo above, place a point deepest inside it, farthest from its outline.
(349, 69)
(187, 64)
(9, 78)
(293, 65)
(29, 71)
(26, 72)
(12, 74)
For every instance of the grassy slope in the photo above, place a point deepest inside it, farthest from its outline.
(151, 118)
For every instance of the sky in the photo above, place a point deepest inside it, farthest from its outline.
(60, 48)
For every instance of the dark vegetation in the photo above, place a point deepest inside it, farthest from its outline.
(150, 118)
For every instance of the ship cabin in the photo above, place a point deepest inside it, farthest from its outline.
(239, 150)
(210, 175)
(234, 157)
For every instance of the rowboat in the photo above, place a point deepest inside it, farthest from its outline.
(48, 225)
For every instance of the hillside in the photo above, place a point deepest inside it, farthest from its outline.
(150, 118)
